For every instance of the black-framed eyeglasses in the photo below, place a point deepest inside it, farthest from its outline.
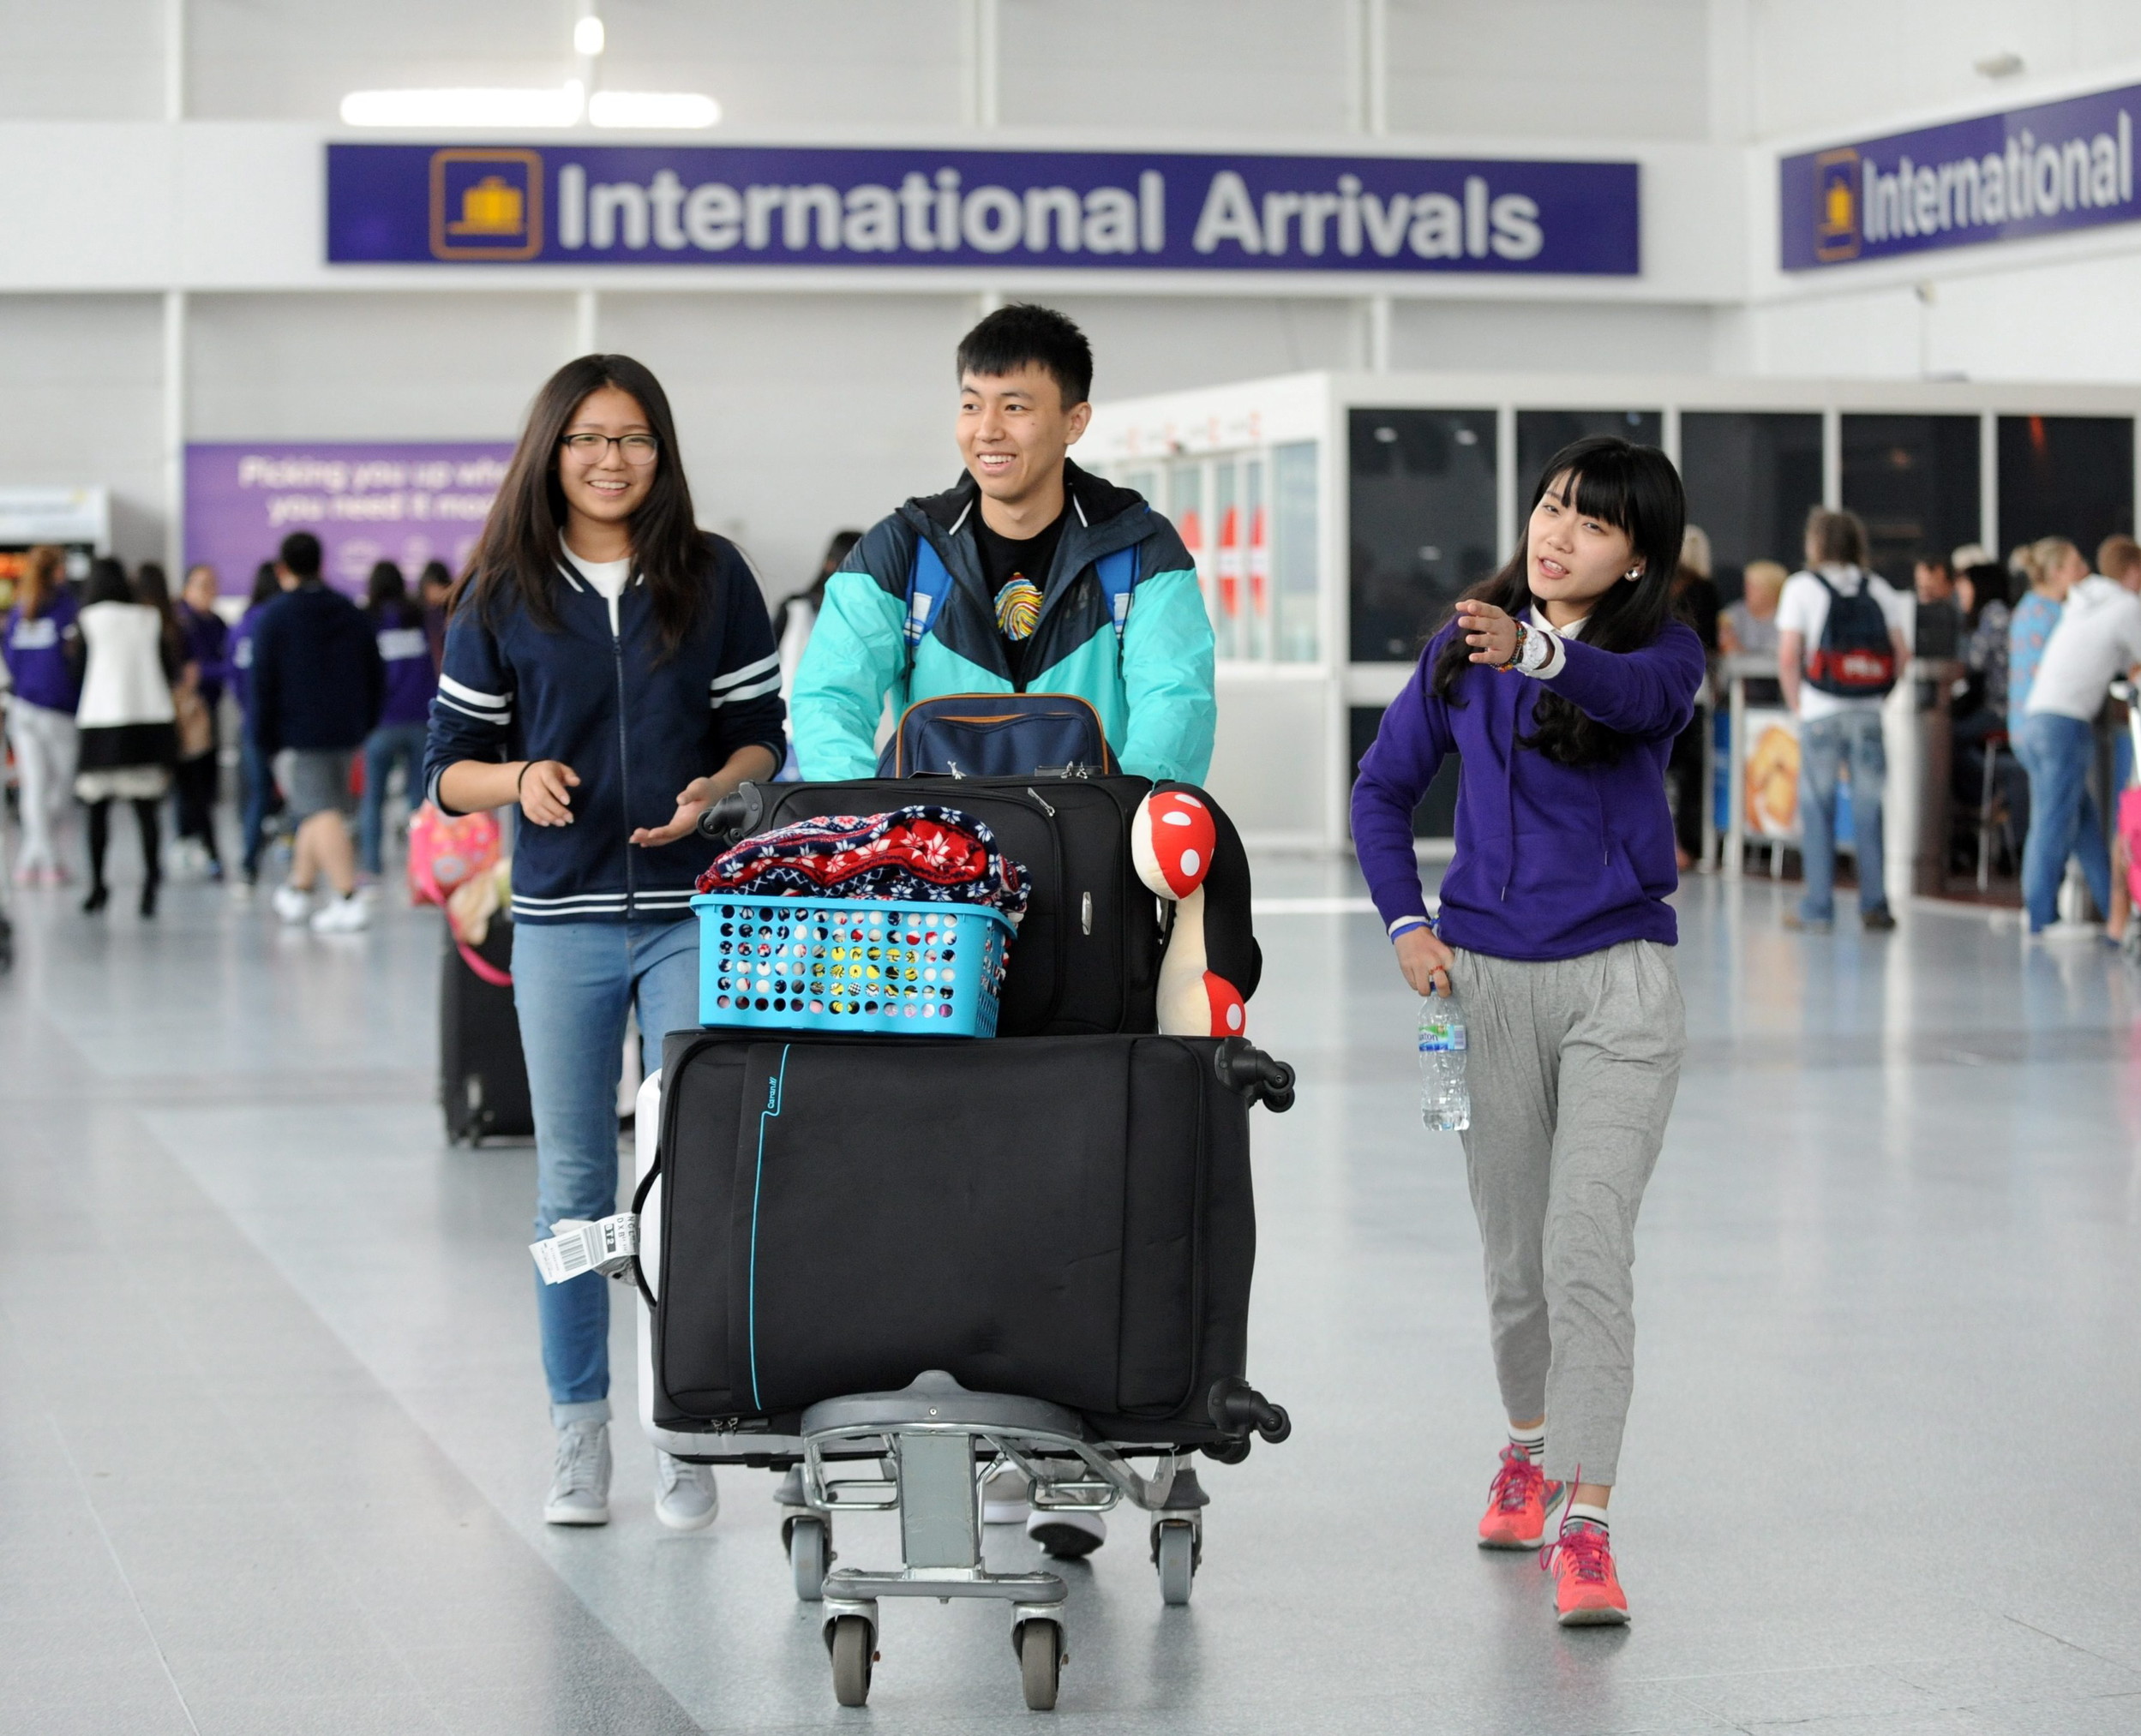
(634, 448)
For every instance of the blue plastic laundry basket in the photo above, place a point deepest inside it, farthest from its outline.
(850, 964)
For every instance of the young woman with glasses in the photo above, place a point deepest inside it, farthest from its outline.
(610, 668)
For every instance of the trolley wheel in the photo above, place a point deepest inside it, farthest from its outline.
(852, 1644)
(1039, 1663)
(1174, 1552)
(809, 1553)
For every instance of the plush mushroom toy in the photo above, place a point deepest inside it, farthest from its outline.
(1187, 853)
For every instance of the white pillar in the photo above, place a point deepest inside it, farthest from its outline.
(1377, 312)
(174, 431)
(174, 60)
(1831, 458)
(586, 322)
(982, 53)
(1368, 40)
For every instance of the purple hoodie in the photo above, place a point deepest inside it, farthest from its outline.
(44, 654)
(1552, 860)
(411, 677)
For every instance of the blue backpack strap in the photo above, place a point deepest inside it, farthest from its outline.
(928, 581)
(1118, 578)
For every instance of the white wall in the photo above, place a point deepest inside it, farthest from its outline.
(391, 366)
(1854, 65)
(84, 60)
(82, 385)
(1558, 70)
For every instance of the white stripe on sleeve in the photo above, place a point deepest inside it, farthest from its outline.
(771, 685)
(489, 702)
(734, 677)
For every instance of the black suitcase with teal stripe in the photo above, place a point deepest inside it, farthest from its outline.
(1066, 1218)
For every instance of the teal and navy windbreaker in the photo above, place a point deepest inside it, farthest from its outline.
(1153, 692)
(636, 722)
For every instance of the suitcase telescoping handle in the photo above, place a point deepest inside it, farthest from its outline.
(1246, 1068)
(735, 817)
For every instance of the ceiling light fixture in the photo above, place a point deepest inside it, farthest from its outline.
(588, 37)
(662, 111)
(562, 107)
(2005, 64)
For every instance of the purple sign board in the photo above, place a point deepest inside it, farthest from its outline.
(2059, 166)
(406, 502)
(737, 206)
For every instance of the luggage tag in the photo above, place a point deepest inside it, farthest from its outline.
(578, 1247)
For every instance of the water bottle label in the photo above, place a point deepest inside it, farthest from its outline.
(1441, 1040)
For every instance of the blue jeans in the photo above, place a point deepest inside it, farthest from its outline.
(2057, 752)
(1825, 744)
(573, 984)
(260, 800)
(383, 747)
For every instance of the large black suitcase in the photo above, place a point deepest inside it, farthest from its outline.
(1065, 1218)
(482, 1076)
(1087, 959)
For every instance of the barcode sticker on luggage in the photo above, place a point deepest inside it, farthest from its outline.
(580, 1247)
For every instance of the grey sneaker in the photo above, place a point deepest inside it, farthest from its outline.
(790, 1492)
(579, 1483)
(1005, 1500)
(687, 1499)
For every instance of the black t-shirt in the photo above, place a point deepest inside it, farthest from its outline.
(1016, 570)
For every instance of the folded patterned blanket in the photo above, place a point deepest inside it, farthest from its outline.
(914, 855)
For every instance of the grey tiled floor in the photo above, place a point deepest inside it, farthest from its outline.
(272, 1441)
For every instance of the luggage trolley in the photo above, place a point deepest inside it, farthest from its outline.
(933, 1446)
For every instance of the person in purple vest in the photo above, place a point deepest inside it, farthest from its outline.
(405, 714)
(41, 646)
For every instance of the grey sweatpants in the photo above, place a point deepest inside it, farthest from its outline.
(1572, 1065)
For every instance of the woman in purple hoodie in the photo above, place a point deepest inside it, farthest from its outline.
(412, 679)
(1559, 683)
(42, 648)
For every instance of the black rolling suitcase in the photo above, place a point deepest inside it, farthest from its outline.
(1064, 1218)
(1087, 959)
(482, 1078)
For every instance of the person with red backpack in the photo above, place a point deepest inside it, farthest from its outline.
(1843, 638)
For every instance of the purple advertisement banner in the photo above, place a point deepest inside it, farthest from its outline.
(1077, 210)
(406, 502)
(2042, 171)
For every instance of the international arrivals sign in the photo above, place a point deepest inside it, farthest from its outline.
(2043, 170)
(742, 207)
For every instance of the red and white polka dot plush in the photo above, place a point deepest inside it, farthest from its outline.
(1172, 841)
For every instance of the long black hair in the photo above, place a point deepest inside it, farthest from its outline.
(267, 585)
(107, 583)
(519, 552)
(386, 596)
(1636, 489)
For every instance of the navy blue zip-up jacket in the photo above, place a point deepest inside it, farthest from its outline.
(636, 725)
(317, 680)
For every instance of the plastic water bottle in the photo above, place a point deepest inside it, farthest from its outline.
(1445, 1099)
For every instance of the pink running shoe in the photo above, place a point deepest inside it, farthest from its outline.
(1518, 1503)
(1587, 1590)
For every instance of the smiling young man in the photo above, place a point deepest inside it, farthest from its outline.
(1022, 536)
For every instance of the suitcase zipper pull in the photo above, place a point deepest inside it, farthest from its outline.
(1085, 913)
(1045, 808)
